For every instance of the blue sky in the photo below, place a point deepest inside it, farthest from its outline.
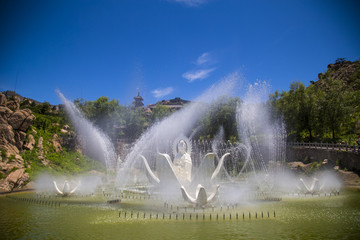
(168, 48)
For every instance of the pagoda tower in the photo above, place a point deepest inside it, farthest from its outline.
(138, 101)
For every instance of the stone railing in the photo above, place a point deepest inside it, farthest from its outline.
(326, 146)
(204, 146)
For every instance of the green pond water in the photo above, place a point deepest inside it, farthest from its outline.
(311, 217)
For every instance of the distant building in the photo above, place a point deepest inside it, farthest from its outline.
(138, 101)
(174, 104)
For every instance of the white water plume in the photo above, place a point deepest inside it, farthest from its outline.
(218, 138)
(264, 137)
(179, 123)
(96, 144)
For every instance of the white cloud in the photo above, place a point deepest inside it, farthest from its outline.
(161, 92)
(204, 58)
(192, 3)
(197, 74)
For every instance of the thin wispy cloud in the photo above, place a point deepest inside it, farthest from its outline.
(191, 3)
(197, 74)
(203, 58)
(161, 92)
(202, 70)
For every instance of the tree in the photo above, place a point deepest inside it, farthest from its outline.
(297, 107)
(159, 112)
(135, 123)
(105, 114)
(335, 107)
(223, 114)
(327, 109)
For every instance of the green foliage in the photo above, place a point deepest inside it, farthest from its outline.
(33, 164)
(314, 167)
(115, 120)
(68, 163)
(118, 121)
(42, 108)
(73, 162)
(11, 157)
(49, 123)
(223, 115)
(135, 123)
(326, 110)
(3, 154)
(13, 169)
(298, 110)
(160, 112)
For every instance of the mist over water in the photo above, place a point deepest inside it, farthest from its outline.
(257, 160)
(264, 137)
(94, 142)
(181, 123)
(84, 184)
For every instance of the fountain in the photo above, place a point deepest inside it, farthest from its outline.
(201, 198)
(168, 177)
(66, 190)
(153, 150)
(165, 166)
(95, 142)
(182, 168)
(253, 165)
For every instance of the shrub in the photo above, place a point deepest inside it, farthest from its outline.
(66, 162)
(13, 169)
(3, 154)
(314, 167)
(11, 157)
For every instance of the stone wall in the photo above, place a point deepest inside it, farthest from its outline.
(348, 160)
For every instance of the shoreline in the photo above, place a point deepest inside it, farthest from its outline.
(346, 187)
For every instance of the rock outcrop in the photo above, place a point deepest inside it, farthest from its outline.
(3, 100)
(17, 137)
(30, 142)
(14, 125)
(15, 179)
(56, 143)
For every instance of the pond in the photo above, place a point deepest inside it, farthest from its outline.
(26, 216)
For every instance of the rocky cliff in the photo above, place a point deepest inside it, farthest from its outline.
(17, 136)
(14, 125)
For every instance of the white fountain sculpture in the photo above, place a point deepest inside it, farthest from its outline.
(66, 189)
(201, 198)
(313, 187)
(182, 170)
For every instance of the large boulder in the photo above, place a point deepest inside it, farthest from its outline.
(30, 142)
(14, 103)
(13, 127)
(56, 143)
(7, 139)
(5, 113)
(3, 99)
(21, 120)
(20, 137)
(28, 120)
(15, 179)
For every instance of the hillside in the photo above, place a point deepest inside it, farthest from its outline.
(327, 110)
(35, 138)
(345, 71)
